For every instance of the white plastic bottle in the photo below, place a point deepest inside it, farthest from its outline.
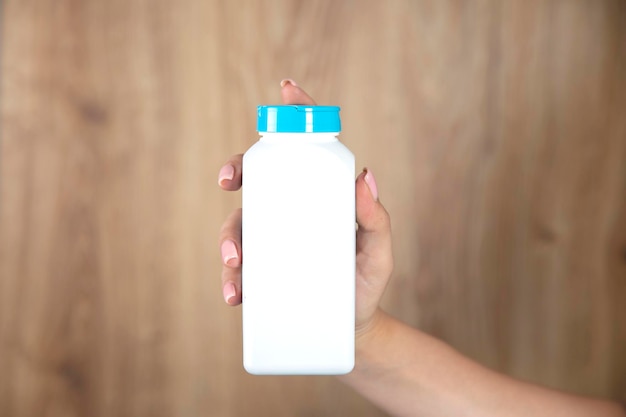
(298, 244)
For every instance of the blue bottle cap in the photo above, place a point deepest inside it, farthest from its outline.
(298, 119)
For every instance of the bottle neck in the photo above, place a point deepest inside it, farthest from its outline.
(272, 137)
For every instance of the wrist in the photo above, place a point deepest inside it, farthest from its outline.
(370, 341)
(365, 332)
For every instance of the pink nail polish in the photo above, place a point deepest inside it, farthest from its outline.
(226, 173)
(371, 183)
(288, 81)
(229, 292)
(229, 253)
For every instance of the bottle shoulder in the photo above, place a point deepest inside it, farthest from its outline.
(294, 147)
(300, 153)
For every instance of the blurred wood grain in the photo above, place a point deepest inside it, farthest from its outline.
(496, 130)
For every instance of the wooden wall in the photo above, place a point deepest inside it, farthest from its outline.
(496, 130)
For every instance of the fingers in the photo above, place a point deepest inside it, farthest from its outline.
(230, 249)
(229, 177)
(374, 251)
(293, 94)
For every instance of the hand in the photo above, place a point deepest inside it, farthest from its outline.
(374, 260)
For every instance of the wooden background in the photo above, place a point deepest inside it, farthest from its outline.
(496, 130)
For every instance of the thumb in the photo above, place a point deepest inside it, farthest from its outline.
(373, 241)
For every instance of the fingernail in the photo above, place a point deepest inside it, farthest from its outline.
(288, 81)
(371, 183)
(226, 173)
(229, 292)
(229, 253)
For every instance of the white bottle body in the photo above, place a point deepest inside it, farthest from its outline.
(298, 244)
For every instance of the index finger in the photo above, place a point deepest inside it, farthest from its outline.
(293, 94)
(229, 177)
